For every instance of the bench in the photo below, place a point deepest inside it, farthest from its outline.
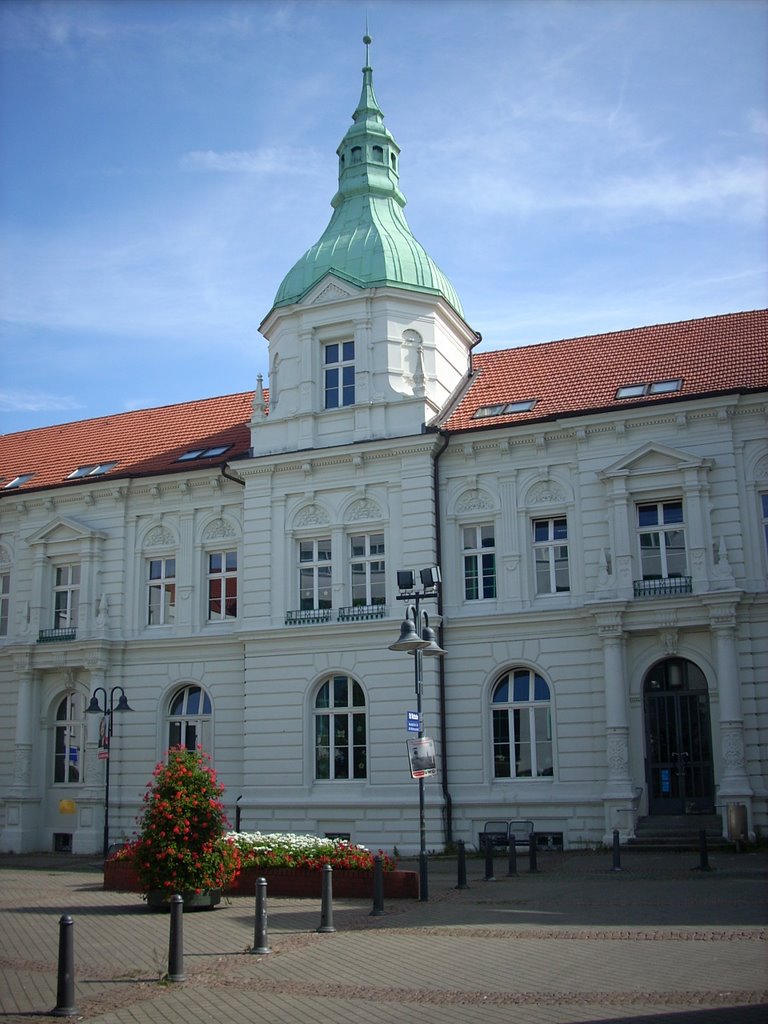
(501, 833)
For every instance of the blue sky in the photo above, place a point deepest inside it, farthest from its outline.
(573, 167)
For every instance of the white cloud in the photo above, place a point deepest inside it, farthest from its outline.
(35, 401)
(270, 160)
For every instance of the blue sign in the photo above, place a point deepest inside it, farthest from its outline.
(413, 721)
(665, 780)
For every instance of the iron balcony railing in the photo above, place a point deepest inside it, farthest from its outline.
(51, 636)
(352, 613)
(668, 587)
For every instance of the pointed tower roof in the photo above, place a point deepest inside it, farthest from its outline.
(368, 241)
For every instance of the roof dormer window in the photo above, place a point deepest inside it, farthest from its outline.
(504, 408)
(204, 453)
(97, 469)
(17, 481)
(656, 387)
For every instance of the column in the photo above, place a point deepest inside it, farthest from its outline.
(22, 803)
(619, 793)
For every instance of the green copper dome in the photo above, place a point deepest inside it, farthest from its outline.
(368, 241)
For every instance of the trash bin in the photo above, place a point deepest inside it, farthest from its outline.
(737, 822)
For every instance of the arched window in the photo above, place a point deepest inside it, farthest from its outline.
(378, 154)
(189, 718)
(341, 750)
(357, 154)
(522, 726)
(69, 737)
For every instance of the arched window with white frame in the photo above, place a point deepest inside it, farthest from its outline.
(521, 709)
(69, 739)
(190, 716)
(340, 730)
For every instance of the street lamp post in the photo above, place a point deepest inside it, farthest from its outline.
(417, 638)
(105, 739)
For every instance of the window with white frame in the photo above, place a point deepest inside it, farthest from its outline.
(222, 585)
(479, 554)
(69, 736)
(764, 510)
(550, 554)
(5, 602)
(522, 726)
(367, 569)
(189, 718)
(339, 374)
(66, 596)
(661, 535)
(340, 719)
(315, 574)
(161, 591)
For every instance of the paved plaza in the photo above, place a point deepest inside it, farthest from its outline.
(576, 942)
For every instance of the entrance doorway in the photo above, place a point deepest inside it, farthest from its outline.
(678, 739)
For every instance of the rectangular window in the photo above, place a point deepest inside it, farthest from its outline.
(339, 374)
(315, 574)
(764, 509)
(222, 585)
(66, 596)
(367, 569)
(161, 608)
(550, 554)
(662, 540)
(479, 546)
(5, 599)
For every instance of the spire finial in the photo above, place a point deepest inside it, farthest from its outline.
(367, 40)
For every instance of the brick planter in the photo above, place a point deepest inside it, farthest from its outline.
(119, 876)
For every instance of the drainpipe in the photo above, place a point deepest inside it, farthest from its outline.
(447, 801)
(234, 479)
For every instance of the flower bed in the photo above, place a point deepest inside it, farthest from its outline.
(292, 866)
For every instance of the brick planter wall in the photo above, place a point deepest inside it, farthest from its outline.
(119, 876)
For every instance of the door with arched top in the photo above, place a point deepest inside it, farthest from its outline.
(678, 739)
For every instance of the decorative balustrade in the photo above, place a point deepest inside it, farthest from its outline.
(669, 587)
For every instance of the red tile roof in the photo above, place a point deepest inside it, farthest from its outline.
(715, 355)
(142, 443)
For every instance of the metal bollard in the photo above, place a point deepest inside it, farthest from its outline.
(532, 867)
(378, 887)
(326, 911)
(176, 941)
(489, 877)
(260, 939)
(616, 851)
(461, 863)
(512, 861)
(703, 856)
(65, 981)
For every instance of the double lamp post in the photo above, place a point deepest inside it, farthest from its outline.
(418, 638)
(105, 739)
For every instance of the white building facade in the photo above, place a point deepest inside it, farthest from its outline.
(598, 509)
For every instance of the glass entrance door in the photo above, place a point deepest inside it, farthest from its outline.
(678, 739)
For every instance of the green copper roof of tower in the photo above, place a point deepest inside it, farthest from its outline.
(368, 241)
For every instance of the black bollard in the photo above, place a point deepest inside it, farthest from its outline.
(461, 880)
(703, 856)
(532, 868)
(616, 851)
(378, 887)
(260, 939)
(326, 911)
(489, 877)
(65, 982)
(176, 941)
(512, 861)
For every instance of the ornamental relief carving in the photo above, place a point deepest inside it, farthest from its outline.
(618, 755)
(219, 528)
(761, 470)
(311, 515)
(5, 556)
(546, 494)
(733, 750)
(159, 537)
(474, 501)
(363, 509)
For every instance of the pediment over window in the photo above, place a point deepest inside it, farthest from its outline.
(654, 458)
(330, 289)
(64, 531)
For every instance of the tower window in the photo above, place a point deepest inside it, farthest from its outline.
(378, 154)
(357, 155)
(339, 374)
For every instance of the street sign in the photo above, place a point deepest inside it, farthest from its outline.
(413, 721)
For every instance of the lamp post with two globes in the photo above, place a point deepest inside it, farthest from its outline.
(105, 739)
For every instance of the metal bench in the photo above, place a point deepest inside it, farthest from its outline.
(496, 833)
(521, 831)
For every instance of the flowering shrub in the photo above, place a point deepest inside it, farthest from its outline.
(182, 846)
(286, 850)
